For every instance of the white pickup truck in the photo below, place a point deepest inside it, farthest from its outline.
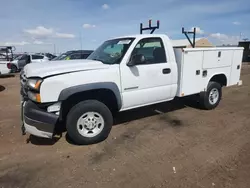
(4, 70)
(6, 56)
(122, 74)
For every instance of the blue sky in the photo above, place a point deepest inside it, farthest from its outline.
(41, 25)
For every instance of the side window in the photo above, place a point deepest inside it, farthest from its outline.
(37, 57)
(75, 56)
(84, 56)
(152, 49)
(3, 57)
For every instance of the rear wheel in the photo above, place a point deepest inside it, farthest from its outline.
(14, 69)
(211, 98)
(89, 122)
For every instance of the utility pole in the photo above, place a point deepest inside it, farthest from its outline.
(81, 39)
(54, 49)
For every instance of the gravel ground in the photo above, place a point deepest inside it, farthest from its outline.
(167, 145)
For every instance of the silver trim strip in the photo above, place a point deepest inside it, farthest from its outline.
(128, 88)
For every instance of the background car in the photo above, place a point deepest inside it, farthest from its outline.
(49, 55)
(20, 61)
(6, 55)
(71, 55)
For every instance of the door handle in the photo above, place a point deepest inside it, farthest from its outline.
(166, 71)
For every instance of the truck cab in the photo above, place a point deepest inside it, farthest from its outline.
(123, 73)
(141, 58)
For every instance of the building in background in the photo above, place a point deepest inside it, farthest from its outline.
(199, 43)
(246, 52)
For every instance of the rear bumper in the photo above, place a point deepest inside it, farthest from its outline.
(5, 71)
(37, 121)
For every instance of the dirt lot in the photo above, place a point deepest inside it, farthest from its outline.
(167, 145)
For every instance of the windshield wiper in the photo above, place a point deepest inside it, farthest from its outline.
(97, 60)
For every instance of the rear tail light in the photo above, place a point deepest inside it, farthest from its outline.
(9, 65)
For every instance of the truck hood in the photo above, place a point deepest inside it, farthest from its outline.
(51, 68)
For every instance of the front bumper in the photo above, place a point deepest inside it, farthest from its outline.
(37, 121)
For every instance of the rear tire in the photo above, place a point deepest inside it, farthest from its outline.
(211, 98)
(14, 68)
(89, 122)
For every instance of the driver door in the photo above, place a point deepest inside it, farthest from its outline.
(148, 82)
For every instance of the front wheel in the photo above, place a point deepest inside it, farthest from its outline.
(89, 122)
(211, 98)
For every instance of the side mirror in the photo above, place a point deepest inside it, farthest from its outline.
(136, 59)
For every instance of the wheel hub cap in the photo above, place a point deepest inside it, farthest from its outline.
(90, 124)
(214, 96)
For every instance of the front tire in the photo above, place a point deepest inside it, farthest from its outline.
(89, 122)
(211, 98)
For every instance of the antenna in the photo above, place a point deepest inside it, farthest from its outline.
(190, 32)
(149, 27)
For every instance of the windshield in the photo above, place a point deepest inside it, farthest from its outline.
(18, 57)
(112, 51)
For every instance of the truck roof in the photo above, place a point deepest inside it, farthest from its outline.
(244, 41)
(140, 36)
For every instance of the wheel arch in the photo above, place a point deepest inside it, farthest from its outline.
(220, 78)
(106, 92)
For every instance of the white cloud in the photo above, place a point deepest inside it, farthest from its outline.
(65, 35)
(219, 36)
(105, 6)
(225, 39)
(198, 30)
(40, 31)
(38, 42)
(236, 23)
(16, 43)
(88, 26)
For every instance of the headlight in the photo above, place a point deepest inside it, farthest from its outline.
(34, 96)
(34, 84)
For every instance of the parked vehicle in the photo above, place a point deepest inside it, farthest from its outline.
(73, 55)
(19, 62)
(48, 55)
(13, 65)
(246, 52)
(6, 55)
(123, 73)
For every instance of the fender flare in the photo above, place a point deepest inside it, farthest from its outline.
(218, 73)
(67, 92)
